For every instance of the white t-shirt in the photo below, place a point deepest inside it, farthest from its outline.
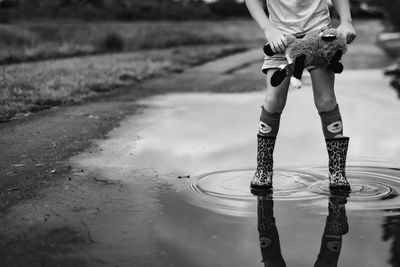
(298, 16)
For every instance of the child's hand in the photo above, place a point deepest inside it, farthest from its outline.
(346, 28)
(276, 39)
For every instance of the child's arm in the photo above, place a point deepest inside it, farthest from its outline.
(346, 27)
(276, 38)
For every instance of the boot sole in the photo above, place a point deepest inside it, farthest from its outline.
(339, 189)
(261, 190)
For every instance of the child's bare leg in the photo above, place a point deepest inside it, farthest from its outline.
(323, 86)
(274, 103)
(275, 97)
(275, 100)
(325, 101)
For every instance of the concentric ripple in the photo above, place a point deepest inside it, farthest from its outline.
(373, 188)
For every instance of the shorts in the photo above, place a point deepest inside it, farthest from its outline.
(273, 62)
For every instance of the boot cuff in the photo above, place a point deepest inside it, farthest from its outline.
(266, 137)
(338, 139)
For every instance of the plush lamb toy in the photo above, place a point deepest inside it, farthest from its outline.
(320, 48)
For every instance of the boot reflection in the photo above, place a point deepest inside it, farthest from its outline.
(268, 234)
(336, 226)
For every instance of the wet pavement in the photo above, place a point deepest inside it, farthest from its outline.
(202, 146)
(172, 184)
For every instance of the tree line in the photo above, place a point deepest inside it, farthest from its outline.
(122, 9)
(131, 10)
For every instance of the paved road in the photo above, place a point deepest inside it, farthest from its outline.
(35, 151)
(55, 211)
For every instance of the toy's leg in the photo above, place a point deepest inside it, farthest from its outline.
(337, 56)
(335, 66)
(325, 101)
(275, 100)
(295, 81)
(279, 75)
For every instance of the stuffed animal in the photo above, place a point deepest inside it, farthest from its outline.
(320, 48)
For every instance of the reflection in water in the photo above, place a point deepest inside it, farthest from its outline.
(268, 234)
(335, 227)
(394, 73)
(391, 230)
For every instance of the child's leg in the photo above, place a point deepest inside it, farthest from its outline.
(325, 101)
(275, 100)
(274, 103)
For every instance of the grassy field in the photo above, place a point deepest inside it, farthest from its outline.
(29, 87)
(34, 86)
(36, 41)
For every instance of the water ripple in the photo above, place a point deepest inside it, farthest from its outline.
(373, 188)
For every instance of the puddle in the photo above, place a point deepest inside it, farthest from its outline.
(203, 146)
(227, 192)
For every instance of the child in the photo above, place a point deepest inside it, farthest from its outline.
(297, 17)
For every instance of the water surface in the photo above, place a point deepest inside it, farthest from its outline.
(204, 147)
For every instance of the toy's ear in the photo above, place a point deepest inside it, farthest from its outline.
(337, 56)
(328, 37)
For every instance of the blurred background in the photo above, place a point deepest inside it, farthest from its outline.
(36, 29)
(196, 30)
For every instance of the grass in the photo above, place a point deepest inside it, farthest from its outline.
(34, 86)
(34, 41)
(29, 87)
(43, 40)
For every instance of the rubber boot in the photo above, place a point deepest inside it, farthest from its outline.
(335, 227)
(268, 234)
(337, 152)
(262, 179)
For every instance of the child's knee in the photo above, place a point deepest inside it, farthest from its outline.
(274, 103)
(325, 103)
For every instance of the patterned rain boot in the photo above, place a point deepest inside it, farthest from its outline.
(337, 151)
(335, 227)
(262, 179)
